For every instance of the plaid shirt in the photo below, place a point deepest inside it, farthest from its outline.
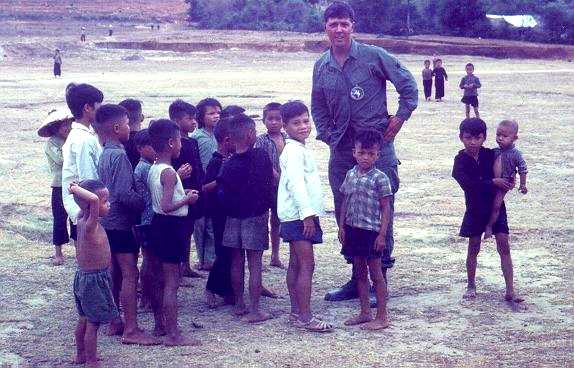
(364, 192)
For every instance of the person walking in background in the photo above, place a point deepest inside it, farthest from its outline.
(439, 74)
(57, 64)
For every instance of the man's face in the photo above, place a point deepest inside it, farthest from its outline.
(339, 31)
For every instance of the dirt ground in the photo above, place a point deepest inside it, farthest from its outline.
(431, 326)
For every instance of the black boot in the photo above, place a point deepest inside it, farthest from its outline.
(345, 292)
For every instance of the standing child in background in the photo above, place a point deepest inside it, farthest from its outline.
(57, 64)
(363, 226)
(273, 142)
(92, 282)
(83, 35)
(427, 80)
(470, 84)
(189, 168)
(508, 161)
(299, 205)
(168, 232)
(126, 205)
(57, 126)
(440, 76)
(246, 180)
(135, 115)
(208, 114)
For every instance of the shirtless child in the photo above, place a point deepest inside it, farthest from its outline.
(93, 282)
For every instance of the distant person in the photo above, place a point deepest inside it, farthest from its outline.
(427, 80)
(473, 170)
(439, 74)
(509, 160)
(136, 117)
(83, 35)
(57, 63)
(110, 30)
(92, 282)
(57, 126)
(470, 84)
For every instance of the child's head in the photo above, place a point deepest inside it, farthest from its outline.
(208, 113)
(427, 64)
(242, 131)
(295, 116)
(99, 189)
(438, 63)
(507, 133)
(58, 123)
(367, 148)
(230, 111)
(472, 134)
(272, 118)
(469, 68)
(183, 114)
(222, 135)
(135, 115)
(112, 123)
(142, 141)
(83, 101)
(165, 137)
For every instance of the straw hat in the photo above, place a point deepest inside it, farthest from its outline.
(54, 118)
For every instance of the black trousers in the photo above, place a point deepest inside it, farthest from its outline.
(60, 225)
(439, 87)
(219, 280)
(427, 83)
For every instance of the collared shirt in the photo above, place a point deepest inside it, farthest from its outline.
(81, 152)
(364, 192)
(207, 145)
(141, 173)
(53, 151)
(299, 194)
(126, 204)
(356, 94)
(265, 142)
(427, 74)
(470, 79)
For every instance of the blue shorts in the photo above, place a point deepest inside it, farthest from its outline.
(293, 231)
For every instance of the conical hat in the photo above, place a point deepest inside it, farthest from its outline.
(55, 117)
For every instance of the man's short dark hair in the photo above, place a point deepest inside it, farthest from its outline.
(473, 126)
(368, 138)
(339, 9)
(179, 109)
(160, 132)
(470, 64)
(221, 130)
(202, 108)
(80, 95)
(293, 109)
(272, 106)
(108, 114)
(239, 127)
(142, 138)
(134, 109)
(231, 110)
(91, 185)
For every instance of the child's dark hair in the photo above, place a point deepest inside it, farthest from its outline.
(272, 106)
(292, 109)
(470, 64)
(160, 132)
(134, 109)
(91, 185)
(202, 108)
(179, 109)
(427, 61)
(142, 138)
(239, 127)
(221, 130)
(80, 95)
(106, 115)
(473, 126)
(368, 138)
(231, 110)
(339, 9)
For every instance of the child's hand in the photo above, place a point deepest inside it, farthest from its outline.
(380, 243)
(184, 171)
(503, 184)
(342, 235)
(308, 227)
(523, 189)
(72, 185)
(191, 196)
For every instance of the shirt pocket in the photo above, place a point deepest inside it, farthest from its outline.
(332, 83)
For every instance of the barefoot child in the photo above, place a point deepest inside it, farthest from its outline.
(92, 283)
(168, 232)
(57, 127)
(246, 181)
(508, 161)
(427, 80)
(273, 143)
(473, 170)
(364, 222)
(470, 84)
(135, 115)
(299, 203)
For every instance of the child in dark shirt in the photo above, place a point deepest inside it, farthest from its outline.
(135, 116)
(473, 170)
(439, 74)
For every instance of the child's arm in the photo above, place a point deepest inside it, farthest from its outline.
(445, 75)
(462, 85)
(168, 180)
(342, 220)
(468, 184)
(209, 187)
(523, 189)
(477, 84)
(296, 186)
(522, 171)
(123, 185)
(380, 242)
(93, 204)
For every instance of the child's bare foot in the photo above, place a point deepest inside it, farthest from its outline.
(276, 263)
(375, 325)
(488, 232)
(469, 294)
(139, 337)
(181, 340)
(116, 328)
(257, 317)
(513, 298)
(268, 293)
(357, 320)
(58, 260)
(210, 299)
(240, 309)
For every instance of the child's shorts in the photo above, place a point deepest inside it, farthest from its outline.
(293, 231)
(473, 225)
(470, 100)
(169, 237)
(122, 241)
(141, 235)
(93, 296)
(251, 233)
(360, 243)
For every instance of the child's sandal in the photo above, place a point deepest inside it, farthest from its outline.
(315, 325)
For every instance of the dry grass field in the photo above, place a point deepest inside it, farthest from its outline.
(431, 326)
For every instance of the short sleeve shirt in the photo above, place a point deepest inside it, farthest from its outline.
(364, 192)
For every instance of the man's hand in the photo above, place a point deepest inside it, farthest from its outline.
(523, 189)
(380, 243)
(308, 227)
(191, 196)
(342, 234)
(184, 171)
(395, 124)
(503, 184)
